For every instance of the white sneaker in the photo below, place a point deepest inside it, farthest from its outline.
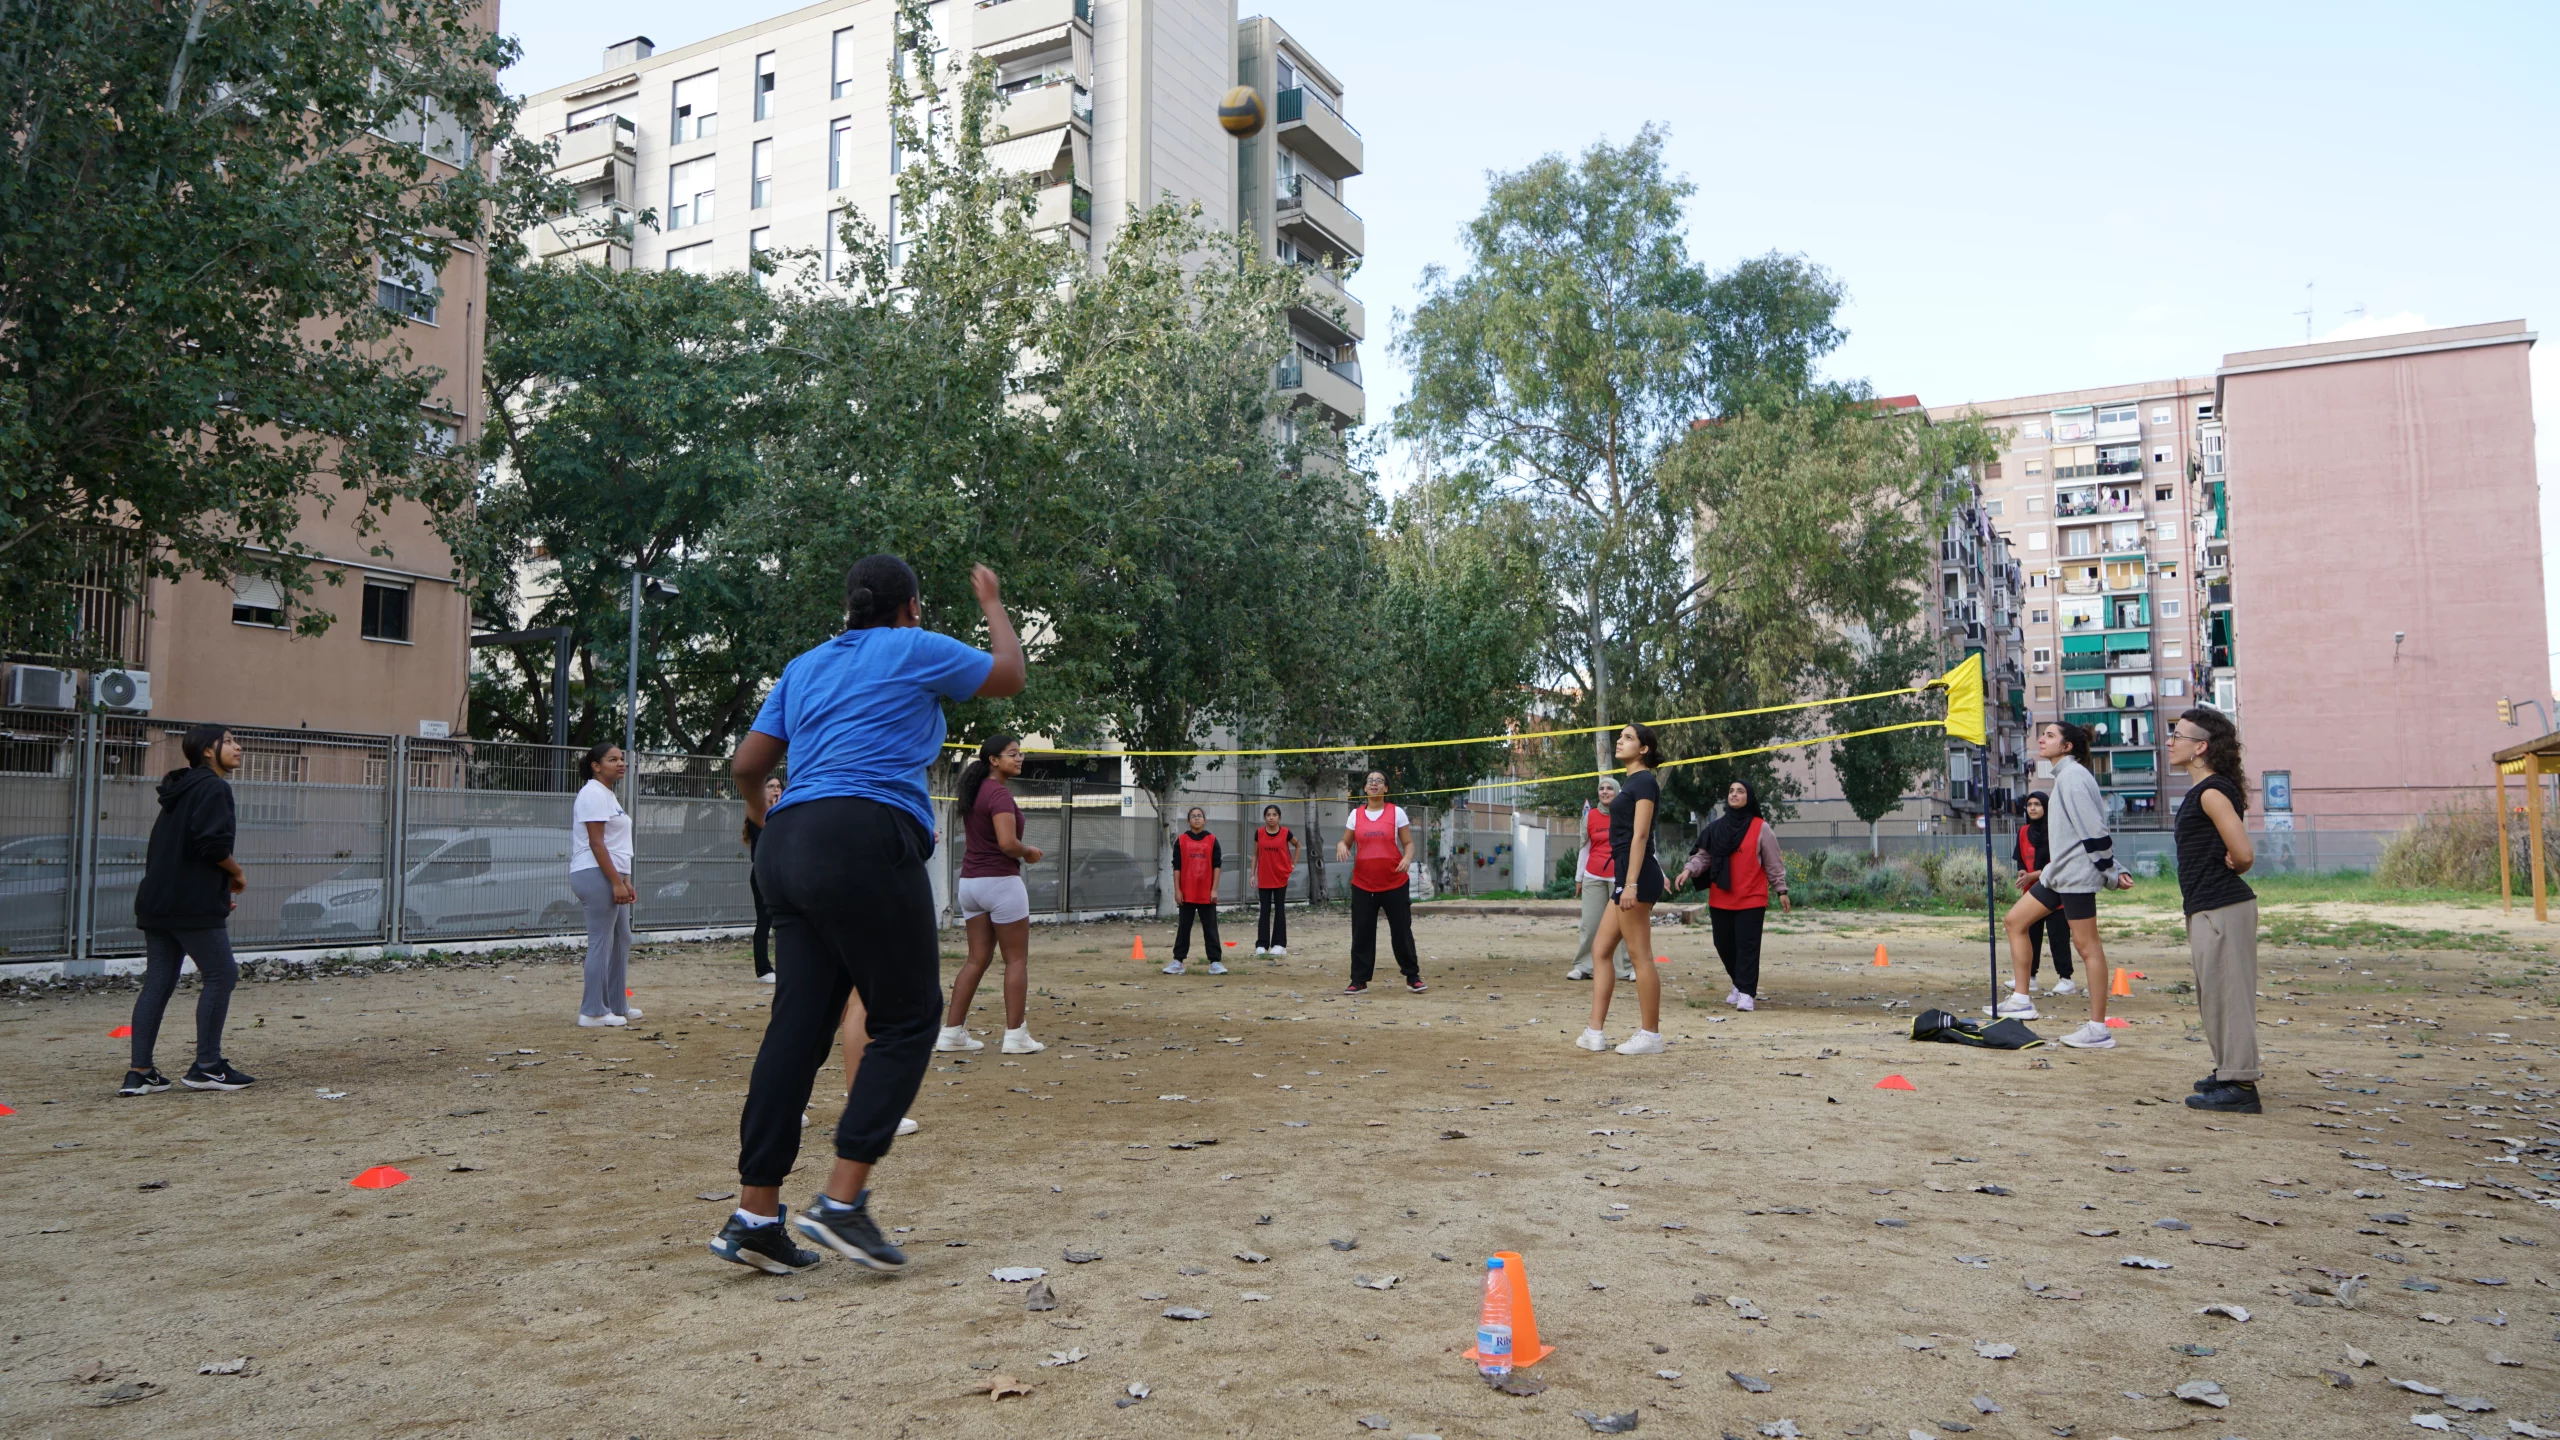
(1592, 1040)
(591, 1021)
(1217, 967)
(2093, 1036)
(907, 1126)
(1643, 1042)
(1280, 950)
(1261, 949)
(804, 1119)
(1626, 977)
(1578, 972)
(1019, 1042)
(632, 1013)
(1174, 969)
(2065, 987)
(765, 979)
(1745, 1004)
(2017, 1006)
(957, 1037)
(1733, 997)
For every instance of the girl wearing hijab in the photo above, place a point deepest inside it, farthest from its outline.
(2034, 849)
(1742, 869)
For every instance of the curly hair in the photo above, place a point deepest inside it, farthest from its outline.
(2221, 747)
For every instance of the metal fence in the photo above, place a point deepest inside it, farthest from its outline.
(2310, 849)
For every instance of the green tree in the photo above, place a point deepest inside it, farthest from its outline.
(1770, 321)
(1568, 355)
(194, 203)
(1458, 637)
(1876, 771)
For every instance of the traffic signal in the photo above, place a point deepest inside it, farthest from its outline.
(2506, 711)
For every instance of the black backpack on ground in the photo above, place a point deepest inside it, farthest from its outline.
(1949, 1029)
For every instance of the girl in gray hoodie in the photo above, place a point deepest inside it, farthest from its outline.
(2083, 863)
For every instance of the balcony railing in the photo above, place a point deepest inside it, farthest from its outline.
(2119, 467)
(1293, 107)
(592, 140)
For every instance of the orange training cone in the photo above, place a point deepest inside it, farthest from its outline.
(121, 1032)
(380, 1177)
(1895, 1082)
(2122, 984)
(1137, 947)
(5, 1110)
(1525, 1349)
(1661, 959)
(2117, 1022)
(1881, 962)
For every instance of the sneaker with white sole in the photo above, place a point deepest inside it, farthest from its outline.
(2017, 1006)
(1174, 969)
(631, 1013)
(220, 1075)
(1261, 949)
(1592, 1040)
(1280, 950)
(143, 1082)
(957, 1037)
(1217, 967)
(907, 1125)
(1578, 972)
(2093, 1036)
(765, 979)
(2065, 986)
(591, 1021)
(850, 1231)
(1745, 1004)
(1643, 1042)
(1733, 997)
(764, 1247)
(1019, 1042)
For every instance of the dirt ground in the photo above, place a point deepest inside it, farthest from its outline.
(1749, 1202)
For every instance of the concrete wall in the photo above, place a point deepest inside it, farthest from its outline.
(2379, 486)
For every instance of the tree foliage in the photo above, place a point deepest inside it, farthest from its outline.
(194, 201)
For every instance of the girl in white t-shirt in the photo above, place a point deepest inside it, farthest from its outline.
(600, 876)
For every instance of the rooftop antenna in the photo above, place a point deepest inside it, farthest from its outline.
(2305, 311)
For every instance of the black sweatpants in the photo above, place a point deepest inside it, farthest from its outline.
(1208, 930)
(1365, 907)
(852, 913)
(764, 921)
(1272, 927)
(1737, 935)
(216, 973)
(2054, 927)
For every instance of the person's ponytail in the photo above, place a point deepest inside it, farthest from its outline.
(974, 775)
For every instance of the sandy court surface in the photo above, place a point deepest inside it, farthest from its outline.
(1749, 1202)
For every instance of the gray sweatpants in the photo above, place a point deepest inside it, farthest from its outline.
(608, 944)
(2224, 946)
(1595, 903)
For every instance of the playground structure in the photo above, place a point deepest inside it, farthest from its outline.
(2532, 760)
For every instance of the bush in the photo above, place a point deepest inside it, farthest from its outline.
(2455, 847)
(1929, 861)
(1960, 878)
(1895, 882)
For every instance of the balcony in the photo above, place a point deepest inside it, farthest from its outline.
(1060, 101)
(597, 235)
(1329, 310)
(1333, 388)
(611, 137)
(1314, 217)
(2218, 593)
(2119, 467)
(1069, 205)
(1000, 21)
(1308, 124)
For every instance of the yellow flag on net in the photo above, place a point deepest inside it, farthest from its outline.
(1963, 685)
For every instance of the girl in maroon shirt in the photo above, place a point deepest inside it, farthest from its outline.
(995, 907)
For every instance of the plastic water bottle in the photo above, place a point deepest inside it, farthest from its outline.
(1493, 1325)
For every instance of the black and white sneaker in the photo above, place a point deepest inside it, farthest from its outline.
(220, 1075)
(2238, 1097)
(143, 1082)
(1414, 984)
(763, 1247)
(848, 1230)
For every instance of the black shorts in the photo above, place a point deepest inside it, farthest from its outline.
(1650, 886)
(2074, 905)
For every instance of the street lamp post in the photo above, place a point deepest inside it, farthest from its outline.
(640, 584)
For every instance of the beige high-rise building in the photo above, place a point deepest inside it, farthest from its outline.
(762, 138)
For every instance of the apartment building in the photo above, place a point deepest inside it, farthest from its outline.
(764, 137)
(2377, 539)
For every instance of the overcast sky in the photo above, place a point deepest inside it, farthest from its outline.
(2019, 198)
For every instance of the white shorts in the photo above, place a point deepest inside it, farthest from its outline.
(1000, 898)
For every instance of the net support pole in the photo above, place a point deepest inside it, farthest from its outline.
(1990, 881)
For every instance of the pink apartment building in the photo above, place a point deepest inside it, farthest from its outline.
(2385, 564)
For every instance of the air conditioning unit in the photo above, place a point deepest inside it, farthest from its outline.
(2041, 665)
(37, 687)
(122, 689)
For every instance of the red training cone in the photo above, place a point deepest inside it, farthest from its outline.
(1895, 1082)
(2117, 1022)
(1661, 959)
(1230, 944)
(121, 1032)
(380, 1177)
(5, 1110)
(1525, 1349)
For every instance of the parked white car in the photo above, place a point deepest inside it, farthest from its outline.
(460, 882)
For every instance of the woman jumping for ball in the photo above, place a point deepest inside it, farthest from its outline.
(1639, 885)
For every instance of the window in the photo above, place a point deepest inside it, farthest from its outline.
(2126, 416)
(691, 259)
(386, 611)
(2035, 467)
(256, 601)
(2163, 492)
(839, 152)
(897, 241)
(2173, 687)
(835, 244)
(760, 176)
(844, 64)
(2035, 504)
(1993, 506)
(690, 187)
(2169, 607)
(435, 437)
(2044, 696)
(2043, 655)
(2036, 581)
(697, 100)
(2033, 430)
(759, 240)
(1991, 471)
(2205, 411)
(406, 287)
(2173, 650)
(2040, 617)
(2035, 539)
(2075, 542)
(764, 86)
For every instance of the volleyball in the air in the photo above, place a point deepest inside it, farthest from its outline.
(1240, 111)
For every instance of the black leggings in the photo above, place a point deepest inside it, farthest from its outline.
(1272, 928)
(1208, 930)
(2057, 927)
(852, 913)
(216, 974)
(1365, 907)
(1738, 944)
(764, 920)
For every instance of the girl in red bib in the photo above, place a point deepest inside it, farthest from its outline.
(1742, 869)
(1275, 859)
(1377, 839)
(1196, 861)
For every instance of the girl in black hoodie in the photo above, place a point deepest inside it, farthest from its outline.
(183, 908)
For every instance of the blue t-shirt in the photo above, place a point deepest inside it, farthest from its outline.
(862, 714)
